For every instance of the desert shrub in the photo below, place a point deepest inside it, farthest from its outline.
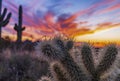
(24, 46)
(22, 67)
(4, 43)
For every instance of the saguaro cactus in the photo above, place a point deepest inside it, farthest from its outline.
(3, 21)
(18, 27)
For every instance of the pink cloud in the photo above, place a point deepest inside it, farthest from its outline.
(109, 9)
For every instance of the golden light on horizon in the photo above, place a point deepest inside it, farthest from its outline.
(111, 35)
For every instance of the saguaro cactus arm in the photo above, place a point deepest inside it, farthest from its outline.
(3, 14)
(4, 21)
(0, 6)
(17, 28)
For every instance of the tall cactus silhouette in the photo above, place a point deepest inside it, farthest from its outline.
(18, 27)
(3, 21)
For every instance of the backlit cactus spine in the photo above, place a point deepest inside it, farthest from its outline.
(18, 27)
(56, 51)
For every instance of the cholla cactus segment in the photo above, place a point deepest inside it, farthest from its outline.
(48, 51)
(87, 58)
(58, 72)
(107, 60)
(74, 71)
(69, 45)
(44, 78)
(59, 43)
(63, 44)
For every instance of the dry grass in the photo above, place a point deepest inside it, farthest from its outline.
(17, 65)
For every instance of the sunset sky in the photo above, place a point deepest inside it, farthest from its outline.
(94, 20)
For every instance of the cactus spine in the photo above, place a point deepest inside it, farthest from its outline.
(59, 73)
(18, 27)
(3, 21)
(107, 61)
(88, 59)
(45, 78)
(58, 51)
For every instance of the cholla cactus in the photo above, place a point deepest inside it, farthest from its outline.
(58, 72)
(87, 58)
(57, 52)
(48, 51)
(74, 71)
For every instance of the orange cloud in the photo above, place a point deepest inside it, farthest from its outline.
(99, 27)
(107, 25)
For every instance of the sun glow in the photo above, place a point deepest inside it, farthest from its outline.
(108, 35)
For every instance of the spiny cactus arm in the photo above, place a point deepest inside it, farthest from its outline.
(58, 73)
(45, 78)
(23, 29)
(8, 17)
(16, 27)
(108, 60)
(74, 71)
(3, 14)
(46, 50)
(87, 58)
(60, 44)
(4, 23)
(69, 45)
